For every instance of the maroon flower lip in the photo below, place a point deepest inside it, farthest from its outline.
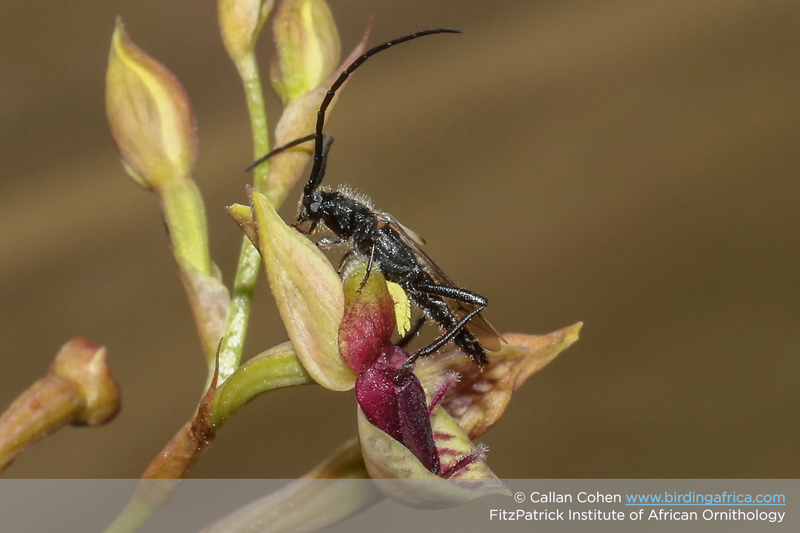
(394, 401)
(390, 396)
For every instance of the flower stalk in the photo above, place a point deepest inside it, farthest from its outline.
(276, 368)
(275, 178)
(240, 24)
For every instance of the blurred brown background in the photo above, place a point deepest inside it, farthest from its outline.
(631, 164)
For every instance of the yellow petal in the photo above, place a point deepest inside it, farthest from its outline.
(402, 307)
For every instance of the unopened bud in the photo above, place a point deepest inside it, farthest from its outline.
(150, 115)
(307, 47)
(77, 390)
(84, 364)
(240, 22)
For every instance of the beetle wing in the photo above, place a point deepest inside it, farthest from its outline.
(486, 334)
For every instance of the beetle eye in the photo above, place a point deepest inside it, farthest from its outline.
(314, 207)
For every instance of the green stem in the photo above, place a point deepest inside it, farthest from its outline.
(276, 368)
(185, 214)
(249, 260)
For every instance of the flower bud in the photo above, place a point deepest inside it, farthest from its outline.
(368, 321)
(150, 115)
(307, 47)
(77, 390)
(298, 120)
(85, 364)
(240, 22)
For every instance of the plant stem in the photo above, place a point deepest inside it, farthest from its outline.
(185, 215)
(276, 368)
(249, 260)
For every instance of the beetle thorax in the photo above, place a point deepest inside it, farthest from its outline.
(340, 212)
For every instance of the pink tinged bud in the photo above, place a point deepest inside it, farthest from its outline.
(150, 115)
(240, 22)
(85, 364)
(368, 322)
(77, 390)
(307, 47)
(308, 293)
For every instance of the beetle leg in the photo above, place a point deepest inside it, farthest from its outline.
(457, 294)
(453, 293)
(311, 229)
(369, 266)
(444, 339)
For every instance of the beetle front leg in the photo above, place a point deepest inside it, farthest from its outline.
(370, 261)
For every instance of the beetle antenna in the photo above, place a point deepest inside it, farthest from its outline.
(278, 150)
(321, 154)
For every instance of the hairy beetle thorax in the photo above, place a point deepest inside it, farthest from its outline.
(345, 215)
